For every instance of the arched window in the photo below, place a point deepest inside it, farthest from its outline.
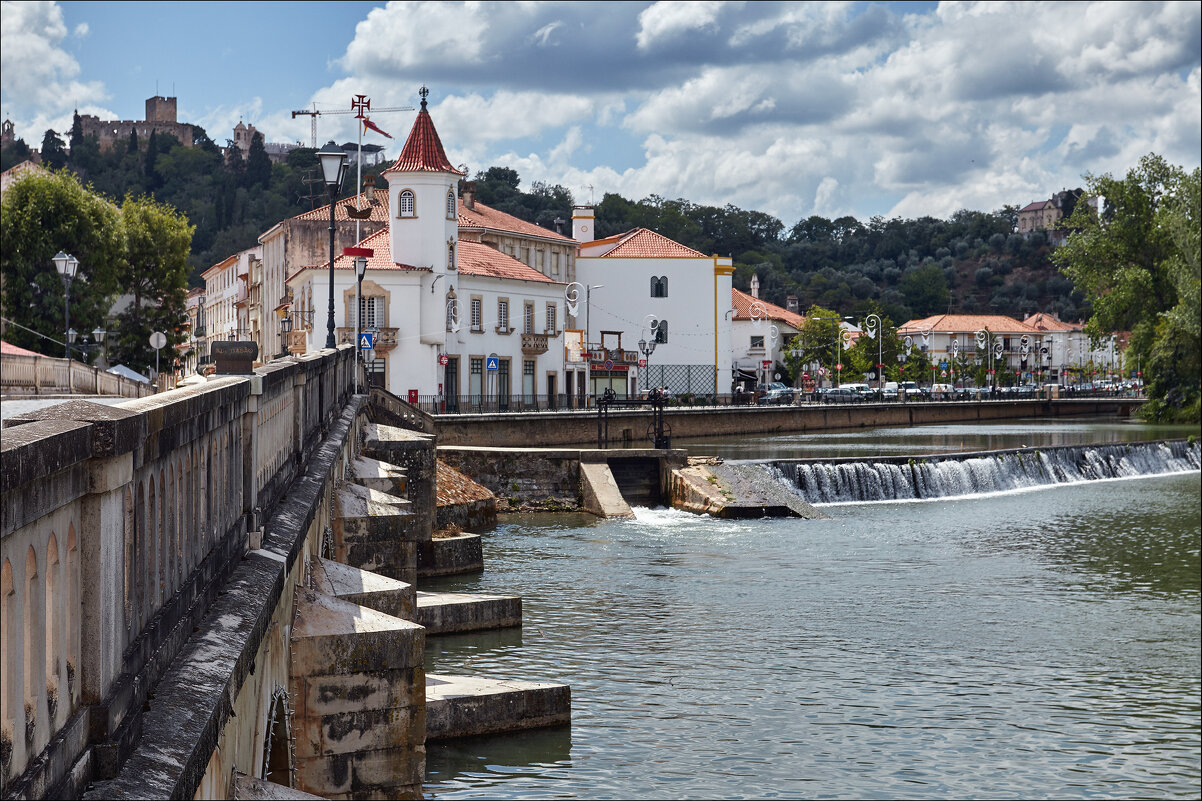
(450, 255)
(451, 205)
(406, 204)
(452, 312)
(661, 333)
(659, 287)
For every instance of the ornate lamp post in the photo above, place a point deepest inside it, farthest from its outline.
(67, 265)
(872, 327)
(647, 346)
(333, 167)
(759, 313)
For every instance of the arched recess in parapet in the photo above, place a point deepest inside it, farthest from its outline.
(130, 574)
(71, 603)
(150, 599)
(33, 648)
(8, 626)
(279, 764)
(52, 624)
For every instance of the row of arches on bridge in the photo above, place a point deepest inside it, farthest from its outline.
(170, 516)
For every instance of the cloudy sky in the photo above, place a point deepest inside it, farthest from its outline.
(789, 108)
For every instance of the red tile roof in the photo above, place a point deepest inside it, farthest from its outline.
(377, 201)
(1047, 322)
(486, 217)
(479, 259)
(380, 242)
(423, 149)
(641, 243)
(962, 323)
(1038, 205)
(13, 350)
(742, 303)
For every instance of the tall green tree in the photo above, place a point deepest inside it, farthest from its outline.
(41, 215)
(1132, 259)
(154, 273)
(258, 165)
(54, 152)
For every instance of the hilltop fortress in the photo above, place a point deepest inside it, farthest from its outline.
(160, 116)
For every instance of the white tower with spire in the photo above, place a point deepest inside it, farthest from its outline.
(422, 192)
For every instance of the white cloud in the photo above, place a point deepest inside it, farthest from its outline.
(406, 35)
(39, 78)
(670, 18)
(82, 30)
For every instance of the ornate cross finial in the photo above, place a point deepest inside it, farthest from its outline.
(424, 92)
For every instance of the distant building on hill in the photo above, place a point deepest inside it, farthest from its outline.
(276, 151)
(160, 117)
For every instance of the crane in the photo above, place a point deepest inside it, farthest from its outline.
(357, 108)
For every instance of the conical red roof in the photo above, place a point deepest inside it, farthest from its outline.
(423, 149)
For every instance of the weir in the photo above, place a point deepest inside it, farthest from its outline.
(857, 480)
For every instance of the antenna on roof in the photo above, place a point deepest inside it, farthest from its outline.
(590, 194)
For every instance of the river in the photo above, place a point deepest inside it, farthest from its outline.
(1041, 643)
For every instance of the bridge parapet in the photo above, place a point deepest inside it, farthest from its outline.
(119, 526)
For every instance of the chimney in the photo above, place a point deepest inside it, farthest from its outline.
(755, 285)
(468, 191)
(791, 304)
(582, 224)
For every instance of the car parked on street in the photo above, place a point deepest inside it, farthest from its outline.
(842, 395)
(776, 394)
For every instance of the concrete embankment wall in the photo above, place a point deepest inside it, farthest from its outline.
(628, 428)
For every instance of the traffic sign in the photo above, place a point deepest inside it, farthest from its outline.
(839, 366)
(444, 359)
(609, 364)
(943, 373)
(642, 362)
(492, 363)
(367, 340)
(766, 363)
(158, 339)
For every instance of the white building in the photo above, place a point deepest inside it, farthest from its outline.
(227, 292)
(640, 279)
(761, 334)
(460, 321)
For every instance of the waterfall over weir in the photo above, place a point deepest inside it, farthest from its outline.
(947, 475)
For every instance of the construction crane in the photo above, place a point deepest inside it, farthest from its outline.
(314, 113)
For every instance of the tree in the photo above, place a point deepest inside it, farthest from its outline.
(258, 165)
(1131, 260)
(76, 132)
(41, 215)
(816, 343)
(154, 271)
(925, 290)
(54, 152)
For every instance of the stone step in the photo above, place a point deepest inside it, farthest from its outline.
(463, 706)
(378, 475)
(449, 612)
(449, 556)
(365, 588)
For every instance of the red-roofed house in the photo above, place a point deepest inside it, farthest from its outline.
(644, 286)
(760, 335)
(452, 286)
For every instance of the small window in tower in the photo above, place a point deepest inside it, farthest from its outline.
(450, 255)
(407, 204)
(450, 205)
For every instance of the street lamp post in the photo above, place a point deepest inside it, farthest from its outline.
(873, 327)
(571, 296)
(67, 265)
(759, 313)
(647, 346)
(333, 167)
(360, 269)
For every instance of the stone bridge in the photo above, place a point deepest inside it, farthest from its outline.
(214, 586)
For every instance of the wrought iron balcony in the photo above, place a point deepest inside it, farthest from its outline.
(386, 338)
(535, 344)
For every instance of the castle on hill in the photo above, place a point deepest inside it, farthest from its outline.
(160, 116)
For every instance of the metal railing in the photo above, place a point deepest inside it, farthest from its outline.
(475, 404)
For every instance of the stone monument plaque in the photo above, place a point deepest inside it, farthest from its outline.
(234, 358)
